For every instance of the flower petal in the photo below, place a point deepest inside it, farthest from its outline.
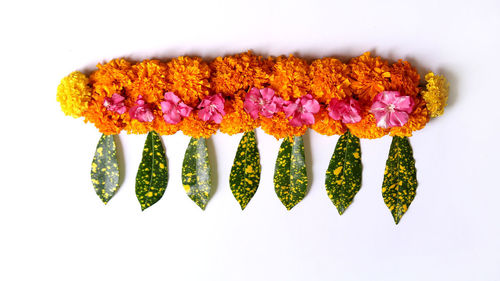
(290, 109)
(404, 103)
(267, 93)
(307, 118)
(184, 109)
(205, 114)
(170, 96)
(397, 119)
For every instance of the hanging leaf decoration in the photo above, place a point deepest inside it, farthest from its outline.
(152, 176)
(290, 174)
(105, 173)
(400, 178)
(196, 172)
(245, 173)
(343, 177)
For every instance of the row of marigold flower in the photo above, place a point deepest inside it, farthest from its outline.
(234, 94)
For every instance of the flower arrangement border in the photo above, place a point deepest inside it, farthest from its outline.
(366, 97)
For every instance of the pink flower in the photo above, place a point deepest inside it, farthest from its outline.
(174, 109)
(391, 109)
(262, 101)
(212, 108)
(115, 104)
(302, 110)
(347, 110)
(141, 111)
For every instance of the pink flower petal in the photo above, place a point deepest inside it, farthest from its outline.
(184, 109)
(141, 111)
(253, 94)
(310, 105)
(121, 109)
(170, 96)
(335, 109)
(268, 110)
(216, 118)
(172, 117)
(204, 114)
(167, 106)
(116, 98)
(404, 103)
(397, 119)
(267, 93)
(296, 121)
(382, 121)
(289, 108)
(307, 118)
(251, 108)
(391, 109)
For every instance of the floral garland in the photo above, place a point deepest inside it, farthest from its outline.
(364, 98)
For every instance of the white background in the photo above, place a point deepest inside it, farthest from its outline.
(54, 227)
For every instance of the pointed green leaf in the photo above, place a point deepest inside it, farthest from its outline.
(105, 173)
(196, 172)
(400, 178)
(152, 176)
(245, 173)
(343, 177)
(290, 175)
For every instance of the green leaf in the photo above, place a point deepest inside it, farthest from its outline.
(400, 178)
(290, 175)
(245, 173)
(343, 177)
(105, 173)
(196, 172)
(152, 176)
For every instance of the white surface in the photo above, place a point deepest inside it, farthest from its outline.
(53, 226)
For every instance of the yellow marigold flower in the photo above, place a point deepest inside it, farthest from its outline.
(188, 78)
(367, 127)
(326, 125)
(416, 121)
(239, 72)
(404, 78)
(73, 93)
(329, 79)
(290, 77)
(279, 127)
(369, 76)
(196, 128)
(436, 93)
(237, 120)
(112, 77)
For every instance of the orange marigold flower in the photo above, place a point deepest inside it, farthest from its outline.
(404, 78)
(188, 78)
(134, 126)
(196, 128)
(290, 77)
(329, 79)
(237, 120)
(149, 81)
(279, 127)
(112, 77)
(326, 125)
(239, 72)
(418, 119)
(369, 76)
(367, 127)
(162, 127)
